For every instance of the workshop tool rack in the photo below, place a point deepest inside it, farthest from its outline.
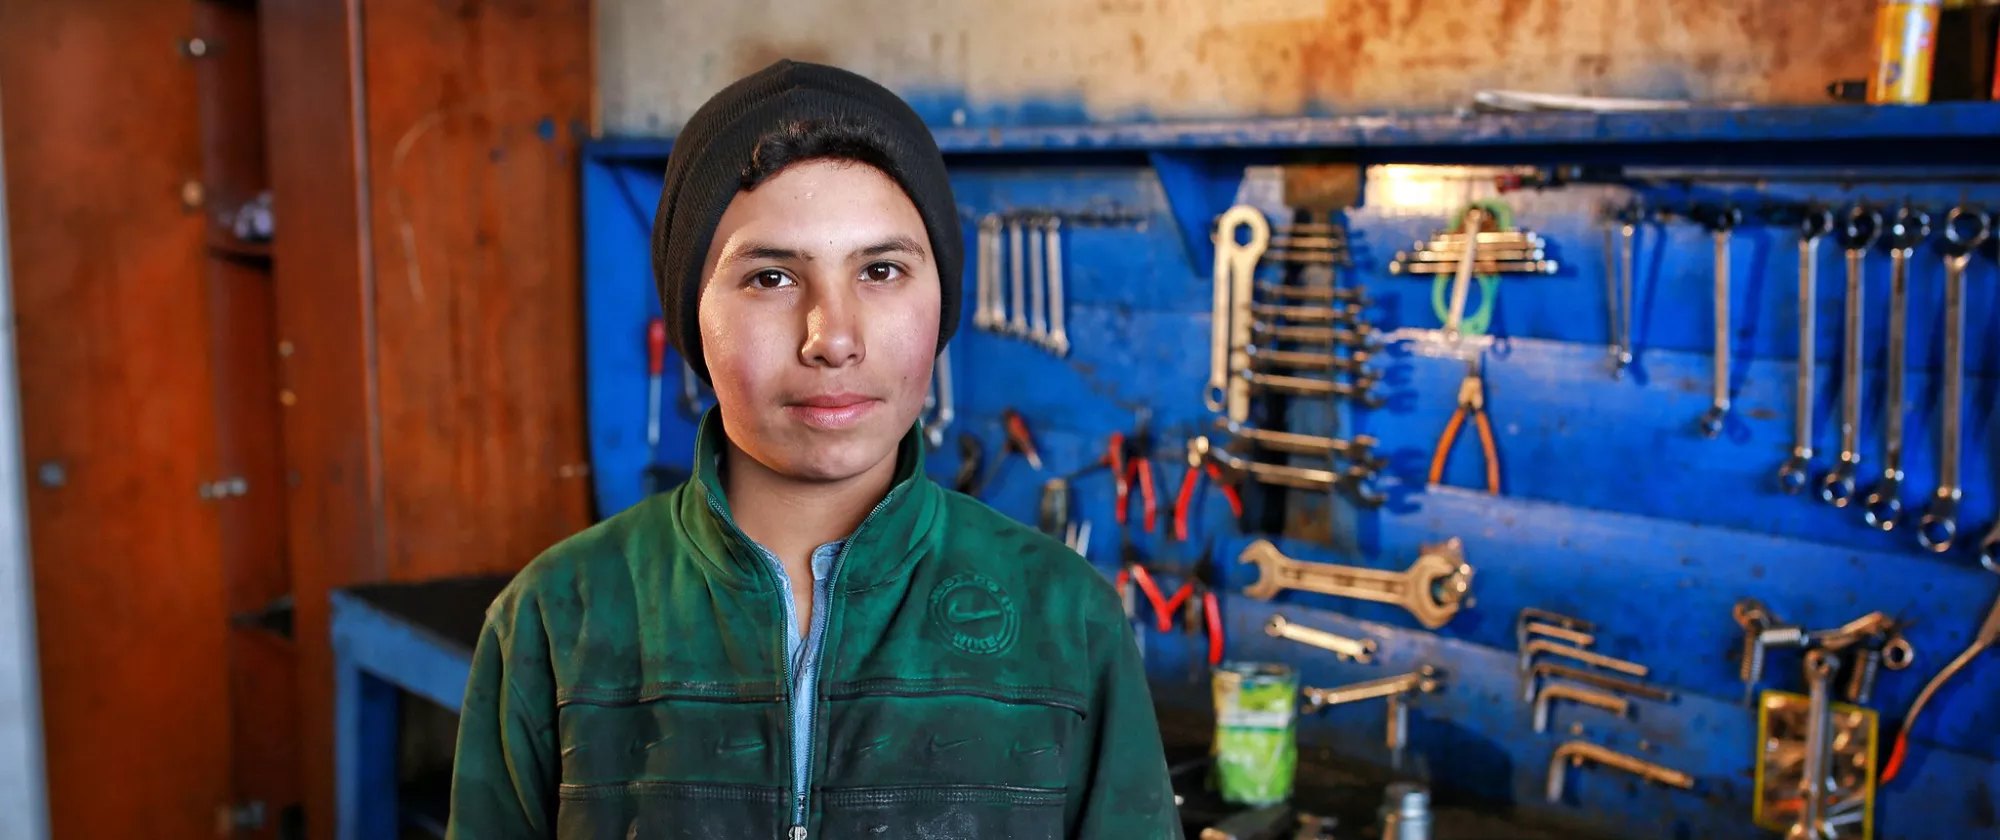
(1615, 508)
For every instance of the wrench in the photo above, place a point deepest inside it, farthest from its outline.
(1862, 227)
(1235, 266)
(1018, 324)
(1792, 475)
(1356, 296)
(1884, 504)
(1295, 360)
(1813, 781)
(1360, 450)
(1347, 314)
(947, 410)
(1423, 681)
(1575, 753)
(1433, 588)
(1720, 224)
(1358, 338)
(1358, 650)
(1989, 549)
(985, 317)
(1038, 322)
(1964, 231)
(1058, 335)
(1356, 391)
(1618, 287)
(1352, 481)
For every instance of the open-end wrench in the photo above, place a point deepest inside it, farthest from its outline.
(1433, 588)
(1342, 314)
(1856, 236)
(1461, 284)
(1618, 289)
(1817, 222)
(1720, 224)
(1058, 334)
(1358, 392)
(1358, 650)
(1017, 323)
(1352, 481)
(1964, 231)
(1884, 504)
(1235, 270)
(1038, 319)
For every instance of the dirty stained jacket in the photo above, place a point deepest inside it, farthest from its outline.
(976, 680)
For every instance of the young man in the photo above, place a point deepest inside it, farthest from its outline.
(809, 639)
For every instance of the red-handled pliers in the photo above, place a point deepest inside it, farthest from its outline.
(1131, 571)
(1130, 460)
(1197, 462)
(1197, 595)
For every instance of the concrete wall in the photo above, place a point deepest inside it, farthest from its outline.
(1074, 60)
(23, 800)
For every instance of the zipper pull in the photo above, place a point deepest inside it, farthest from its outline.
(798, 832)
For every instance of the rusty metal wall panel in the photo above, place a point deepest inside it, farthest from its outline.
(1063, 60)
(101, 134)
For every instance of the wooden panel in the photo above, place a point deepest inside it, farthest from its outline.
(243, 352)
(100, 134)
(473, 114)
(323, 303)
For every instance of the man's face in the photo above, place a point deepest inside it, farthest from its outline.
(819, 319)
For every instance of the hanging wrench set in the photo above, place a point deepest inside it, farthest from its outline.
(1617, 661)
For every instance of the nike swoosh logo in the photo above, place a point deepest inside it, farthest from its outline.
(1021, 753)
(960, 616)
(938, 746)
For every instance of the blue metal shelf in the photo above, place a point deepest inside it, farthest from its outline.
(1813, 123)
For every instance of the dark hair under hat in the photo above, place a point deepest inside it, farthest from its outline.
(788, 113)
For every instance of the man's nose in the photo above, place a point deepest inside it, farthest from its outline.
(833, 327)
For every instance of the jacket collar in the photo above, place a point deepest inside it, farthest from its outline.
(901, 527)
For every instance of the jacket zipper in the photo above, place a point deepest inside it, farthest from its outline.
(801, 797)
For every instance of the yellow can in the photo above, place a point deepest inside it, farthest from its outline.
(1905, 37)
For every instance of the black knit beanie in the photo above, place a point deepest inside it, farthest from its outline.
(705, 171)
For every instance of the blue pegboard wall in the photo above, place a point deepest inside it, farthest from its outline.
(1616, 509)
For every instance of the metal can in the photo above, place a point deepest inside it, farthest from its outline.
(1905, 37)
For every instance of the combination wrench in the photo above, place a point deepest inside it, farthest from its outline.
(1018, 325)
(1038, 320)
(1856, 236)
(1357, 650)
(1815, 225)
(1058, 334)
(1884, 505)
(1623, 224)
(1720, 225)
(1230, 328)
(982, 315)
(1964, 231)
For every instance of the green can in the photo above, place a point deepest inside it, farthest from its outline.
(1256, 726)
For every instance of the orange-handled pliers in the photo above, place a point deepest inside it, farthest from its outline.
(1471, 400)
(1130, 461)
(1130, 572)
(1203, 608)
(1198, 461)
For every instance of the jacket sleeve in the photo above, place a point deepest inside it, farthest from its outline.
(1119, 786)
(505, 775)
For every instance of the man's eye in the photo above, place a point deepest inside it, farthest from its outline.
(770, 279)
(882, 272)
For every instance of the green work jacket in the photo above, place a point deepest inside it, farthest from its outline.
(976, 679)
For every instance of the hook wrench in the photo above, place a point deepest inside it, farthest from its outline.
(1815, 225)
(1964, 231)
(1862, 228)
(1884, 504)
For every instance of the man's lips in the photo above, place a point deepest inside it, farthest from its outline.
(832, 411)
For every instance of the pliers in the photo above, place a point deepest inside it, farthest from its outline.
(1197, 596)
(1130, 459)
(1131, 571)
(1198, 460)
(1472, 401)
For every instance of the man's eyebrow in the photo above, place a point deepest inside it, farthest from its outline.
(892, 245)
(763, 252)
